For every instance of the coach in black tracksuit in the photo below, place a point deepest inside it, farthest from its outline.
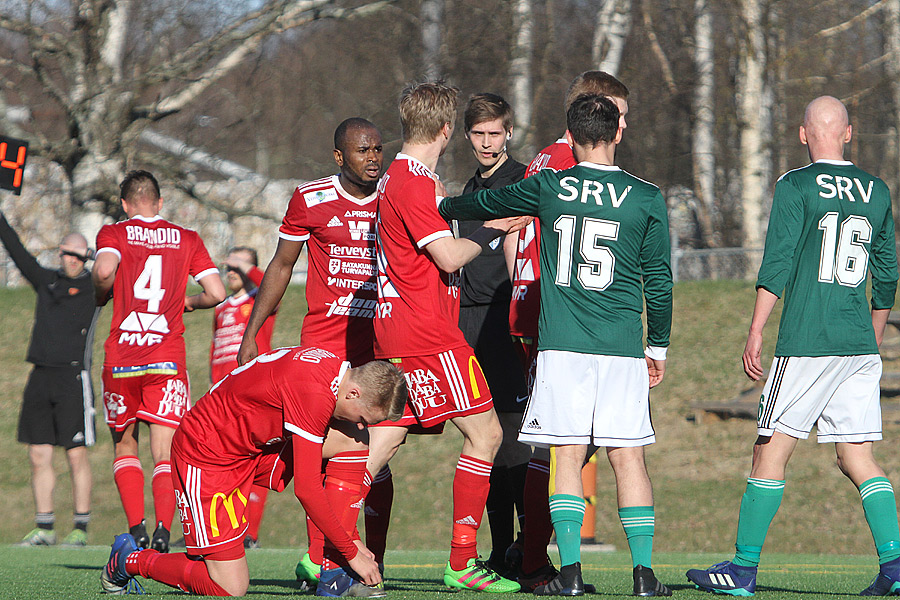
(484, 320)
(58, 404)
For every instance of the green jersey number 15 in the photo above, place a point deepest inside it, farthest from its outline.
(843, 256)
(597, 271)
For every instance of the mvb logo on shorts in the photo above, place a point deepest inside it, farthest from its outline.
(143, 329)
(424, 390)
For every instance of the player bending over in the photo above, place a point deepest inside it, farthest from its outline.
(264, 423)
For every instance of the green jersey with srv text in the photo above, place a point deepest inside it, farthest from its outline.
(604, 252)
(829, 229)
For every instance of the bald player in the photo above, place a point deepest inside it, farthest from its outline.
(830, 228)
(58, 403)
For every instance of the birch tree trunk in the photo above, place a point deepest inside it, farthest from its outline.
(432, 12)
(703, 138)
(892, 23)
(754, 119)
(520, 79)
(613, 27)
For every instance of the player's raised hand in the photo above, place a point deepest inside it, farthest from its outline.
(657, 369)
(248, 350)
(751, 357)
(509, 224)
(366, 567)
(235, 262)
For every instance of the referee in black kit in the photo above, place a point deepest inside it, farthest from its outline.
(58, 404)
(484, 320)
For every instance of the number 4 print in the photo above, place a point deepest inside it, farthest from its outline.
(149, 283)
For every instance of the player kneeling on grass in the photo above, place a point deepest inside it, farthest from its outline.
(264, 423)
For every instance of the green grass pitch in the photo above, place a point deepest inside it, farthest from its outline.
(42, 573)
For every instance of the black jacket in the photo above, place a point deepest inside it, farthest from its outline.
(65, 312)
(485, 280)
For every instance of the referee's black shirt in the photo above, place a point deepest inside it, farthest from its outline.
(62, 333)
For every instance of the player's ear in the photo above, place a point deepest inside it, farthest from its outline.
(803, 135)
(338, 157)
(569, 139)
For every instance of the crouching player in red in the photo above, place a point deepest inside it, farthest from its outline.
(264, 423)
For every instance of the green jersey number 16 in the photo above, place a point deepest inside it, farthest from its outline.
(844, 256)
(596, 273)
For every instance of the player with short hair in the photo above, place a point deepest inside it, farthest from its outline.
(58, 401)
(265, 423)
(485, 295)
(144, 263)
(417, 327)
(605, 250)
(523, 323)
(830, 228)
(335, 217)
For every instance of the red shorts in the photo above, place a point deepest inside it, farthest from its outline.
(159, 393)
(441, 387)
(212, 502)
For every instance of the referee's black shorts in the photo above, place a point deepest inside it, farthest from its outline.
(58, 408)
(486, 329)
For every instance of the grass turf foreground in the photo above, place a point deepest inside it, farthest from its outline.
(41, 573)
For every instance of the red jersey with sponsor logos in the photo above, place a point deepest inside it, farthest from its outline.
(288, 394)
(525, 305)
(340, 285)
(155, 259)
(418, 304)
(229, 324)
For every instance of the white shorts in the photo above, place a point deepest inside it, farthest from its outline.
(840, 395)
(585, 399)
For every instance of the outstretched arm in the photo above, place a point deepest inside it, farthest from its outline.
(271, 290)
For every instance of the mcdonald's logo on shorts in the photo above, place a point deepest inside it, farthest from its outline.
(475, 376)
(228, 503)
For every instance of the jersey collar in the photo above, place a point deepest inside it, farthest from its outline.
(591, 165)
(336, 181)
(153, 219)
(415, 160)
(829, 161)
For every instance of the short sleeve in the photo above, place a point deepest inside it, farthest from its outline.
(418, 210)
(295, 224)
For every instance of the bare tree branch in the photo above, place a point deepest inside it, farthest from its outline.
(664, 64)
(299, 14)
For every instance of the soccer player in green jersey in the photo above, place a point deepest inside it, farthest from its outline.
(604, 253)
(830, 227)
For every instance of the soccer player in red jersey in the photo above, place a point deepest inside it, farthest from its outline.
(523, 326)
(242, 277)
(144, 263)
(264, 423)
(417, 323)
(335, 217)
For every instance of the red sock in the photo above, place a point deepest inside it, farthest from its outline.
(129, 476)
(163, 493)
(316, 542)
(538, 528)
(256, 507)
(176, 570)
(471, 485)
(344, 477)
(378, 512)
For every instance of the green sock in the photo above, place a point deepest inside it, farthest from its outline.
(758, 508)
(878, 502)
(638, 522)
(567, 515)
